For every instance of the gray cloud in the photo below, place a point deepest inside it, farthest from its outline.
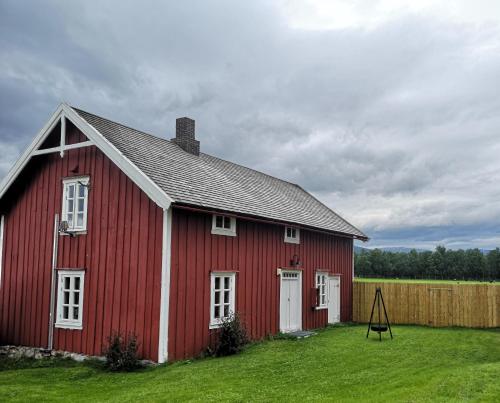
(396, 126)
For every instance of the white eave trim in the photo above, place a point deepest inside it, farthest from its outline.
(64, 112)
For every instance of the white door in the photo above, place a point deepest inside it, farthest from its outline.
(333, 299)
(291, 301)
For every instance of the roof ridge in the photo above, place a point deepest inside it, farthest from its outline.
(209, 155)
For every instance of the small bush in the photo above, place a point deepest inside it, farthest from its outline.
(232, 336)
(121, 353)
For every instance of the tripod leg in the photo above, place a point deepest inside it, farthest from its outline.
(371, 316)
(386, 317)
(378, 303)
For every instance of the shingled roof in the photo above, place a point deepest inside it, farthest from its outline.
(212, 183)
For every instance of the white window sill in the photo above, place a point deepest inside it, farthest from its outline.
(221, 231)
(292, 240)
(72, 326)
(74, 232)
(319, 308)
(215, 325)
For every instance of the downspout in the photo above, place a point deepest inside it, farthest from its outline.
(55, 245)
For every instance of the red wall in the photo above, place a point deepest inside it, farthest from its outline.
(121, 253)
(255, 253)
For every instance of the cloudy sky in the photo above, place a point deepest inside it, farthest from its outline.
(388, 111)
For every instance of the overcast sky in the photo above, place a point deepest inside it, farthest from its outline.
(389, 113)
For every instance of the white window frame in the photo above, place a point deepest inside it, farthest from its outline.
(231, 231)
(76, 181)
(323, 289)
(60, 321)
(216, 322)
(292, 239)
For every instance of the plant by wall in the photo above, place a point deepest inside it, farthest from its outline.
(232, 336)
(121, 352)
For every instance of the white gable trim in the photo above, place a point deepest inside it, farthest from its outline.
(130, 169)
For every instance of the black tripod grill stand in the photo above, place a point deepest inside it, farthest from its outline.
(380, 327)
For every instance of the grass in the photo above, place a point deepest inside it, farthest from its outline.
(421, 281)
(338, 364)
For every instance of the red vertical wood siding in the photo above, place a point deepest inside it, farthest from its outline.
(121, 254)
(255, 254)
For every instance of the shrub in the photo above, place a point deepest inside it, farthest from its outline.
(121, 353)
(232, 336)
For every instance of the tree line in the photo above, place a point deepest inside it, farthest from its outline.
(471, 264)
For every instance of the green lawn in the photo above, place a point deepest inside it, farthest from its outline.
(420, 364)
(399, 280)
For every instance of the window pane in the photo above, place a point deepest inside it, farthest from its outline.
(81, 203)
(65, 312)
(69, 218)
(323, 301)
(71, 191)
(75, 313)
(70, 206)
(216, 312)
(294, 232)
(227, 222)
(226, 310)
(217, 283)
(226, 283)
(66, 283)
(76, 298)
(79, 220)
(226, 296)
(288, 232)
(77, 283)
(218, 221)
(81, 191)
(217, 297)
(66, 297)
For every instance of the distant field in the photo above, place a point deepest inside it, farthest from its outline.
(397, 280)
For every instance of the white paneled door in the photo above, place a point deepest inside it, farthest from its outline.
(334, 299)
(291, 301)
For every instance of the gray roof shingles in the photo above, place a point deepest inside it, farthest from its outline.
(213, 183)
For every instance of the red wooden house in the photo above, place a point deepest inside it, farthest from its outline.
(106, 228)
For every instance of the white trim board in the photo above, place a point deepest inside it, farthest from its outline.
(64, 112)
(2, 226)
(165, 286)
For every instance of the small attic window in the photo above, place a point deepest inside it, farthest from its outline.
(292, 235)
(223, 225)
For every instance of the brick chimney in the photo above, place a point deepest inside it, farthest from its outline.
(184, 136)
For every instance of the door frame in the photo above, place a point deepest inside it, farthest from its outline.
(299, 272)
(331, 277)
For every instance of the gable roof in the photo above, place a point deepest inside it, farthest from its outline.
(168, 174)
(212, 183)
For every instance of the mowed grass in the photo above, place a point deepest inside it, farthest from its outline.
(420, 281)
(338, 364)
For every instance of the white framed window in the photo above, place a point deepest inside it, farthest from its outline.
(321, 279)
(292, 235)
(223, 225)
(75, 202)
(70, 286)
(222, 297)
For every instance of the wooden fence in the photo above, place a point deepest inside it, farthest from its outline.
(431, 304)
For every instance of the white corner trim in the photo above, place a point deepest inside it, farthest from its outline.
(119, 159)
(2, 225)
(165, 286)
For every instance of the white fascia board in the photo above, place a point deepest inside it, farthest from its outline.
(165, 286)
(119, 159)
(25, 157)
